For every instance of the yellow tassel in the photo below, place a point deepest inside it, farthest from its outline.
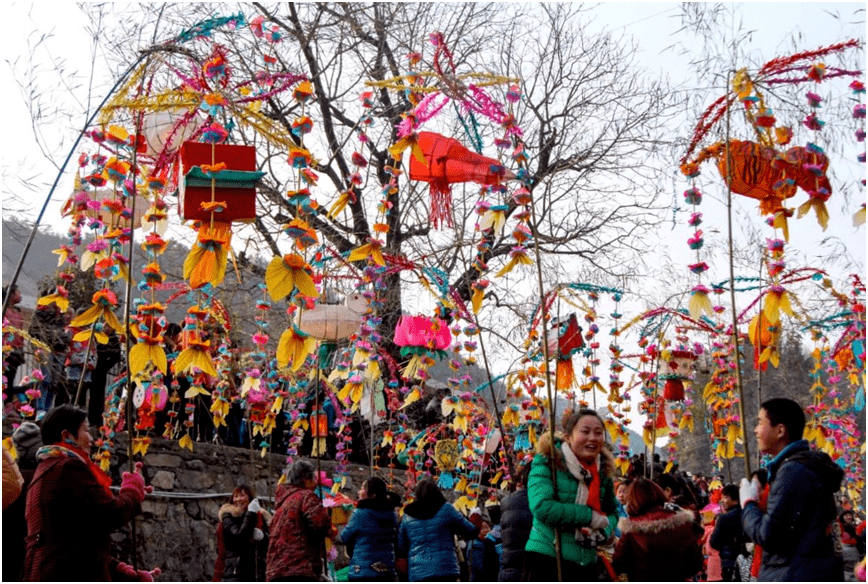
(294, 347)
(412, 367)
(144, 353)
(859, 217)
(339, 205)
(287, 273)
(367, 250)
(413, 396)
(476, 300)
(319, 446)
(780, 222)
(819, 208)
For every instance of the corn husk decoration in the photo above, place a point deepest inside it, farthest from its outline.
(288, 273)
(206, 262)
(294, 347)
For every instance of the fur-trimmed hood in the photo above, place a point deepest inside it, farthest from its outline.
(544, 447)
(239, 511)
(656, 521)
(233, 510)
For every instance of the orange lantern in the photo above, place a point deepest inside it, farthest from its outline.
(319, 430)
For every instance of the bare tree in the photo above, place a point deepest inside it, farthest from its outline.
(594, 129)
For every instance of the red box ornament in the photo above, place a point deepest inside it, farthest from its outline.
(235, 185)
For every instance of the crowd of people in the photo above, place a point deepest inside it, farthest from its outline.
(569, 518)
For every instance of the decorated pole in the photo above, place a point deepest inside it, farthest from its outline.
(736, 351)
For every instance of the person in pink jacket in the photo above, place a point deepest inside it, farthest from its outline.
(713, 569)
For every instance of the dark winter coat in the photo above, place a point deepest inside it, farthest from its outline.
(516, 521)
(482, 559)
(554, 506)
(370, 537)
(240, 549)
(728, 537)
(796, 531)
(660, 546)
(427, 541)
(69, 519)
(298, 530)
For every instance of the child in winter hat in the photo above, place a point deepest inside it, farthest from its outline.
(27, 439)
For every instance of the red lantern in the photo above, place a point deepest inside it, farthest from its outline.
(674, 367)
(447, 162)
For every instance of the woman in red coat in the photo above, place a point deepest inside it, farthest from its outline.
(70, 509)
(298, 530)
(658, 540)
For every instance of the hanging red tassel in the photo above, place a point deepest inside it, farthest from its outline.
(660, 421)
(441, 204)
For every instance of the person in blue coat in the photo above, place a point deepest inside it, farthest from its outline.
(371, 533)
(426, 535)
(796, 528)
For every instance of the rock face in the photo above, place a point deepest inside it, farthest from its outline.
(177, 528)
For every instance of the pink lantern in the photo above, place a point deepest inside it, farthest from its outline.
(423, 332)
(419, 337)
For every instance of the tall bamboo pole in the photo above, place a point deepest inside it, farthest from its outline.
(552, 398)
(735, 343)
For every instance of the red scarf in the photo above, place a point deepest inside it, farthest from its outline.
(594, 487)
(57, 450)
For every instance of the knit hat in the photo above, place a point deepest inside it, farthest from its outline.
(27, 439)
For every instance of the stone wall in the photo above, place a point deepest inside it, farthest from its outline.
(176, 530)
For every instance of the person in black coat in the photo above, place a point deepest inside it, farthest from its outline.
(728, 536)
(107, 356)
(516, 521)
(243, 537)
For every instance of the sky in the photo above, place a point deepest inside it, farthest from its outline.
(57, 34)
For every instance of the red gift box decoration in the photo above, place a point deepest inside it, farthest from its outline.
(235, 185)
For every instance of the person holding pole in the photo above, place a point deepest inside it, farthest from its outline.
(579, 505)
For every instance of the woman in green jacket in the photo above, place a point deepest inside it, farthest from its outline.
(580, 505)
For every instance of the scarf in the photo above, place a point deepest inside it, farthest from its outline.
(588, 492)
(68, 450)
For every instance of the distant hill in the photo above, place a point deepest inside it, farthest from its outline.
(40, 261)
